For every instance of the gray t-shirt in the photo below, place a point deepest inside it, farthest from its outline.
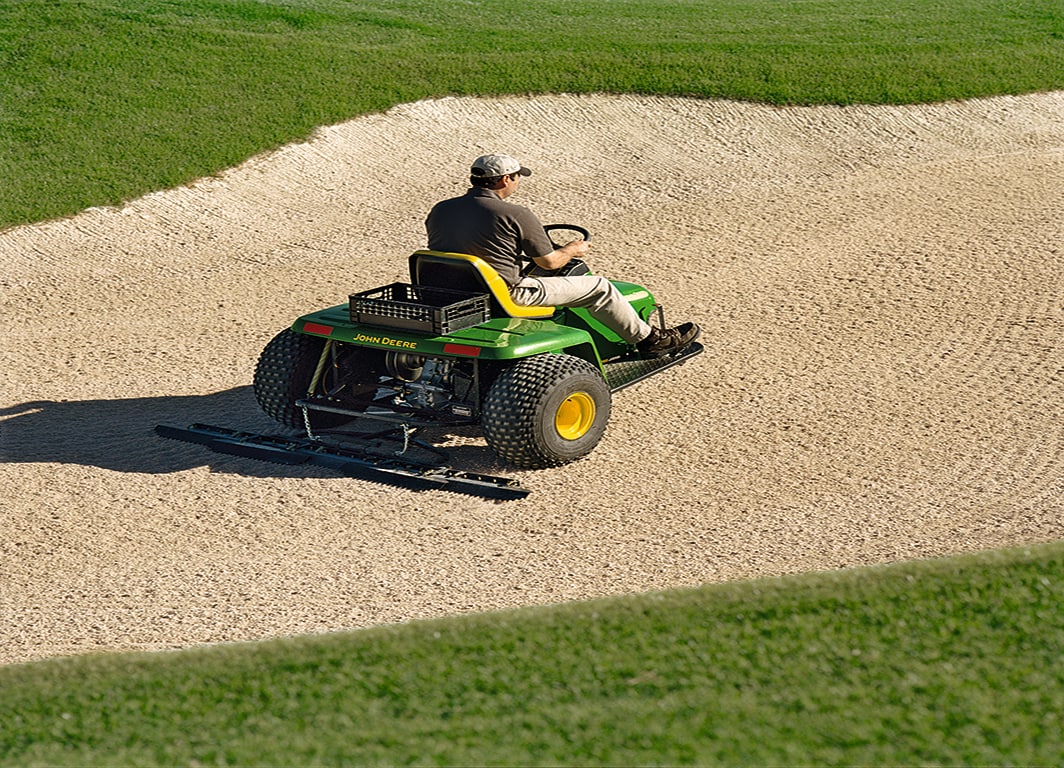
(483, 224)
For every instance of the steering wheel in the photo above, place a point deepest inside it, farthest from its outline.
(575, 266)
(575, 233)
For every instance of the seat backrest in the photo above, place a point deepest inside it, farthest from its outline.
(463, 272)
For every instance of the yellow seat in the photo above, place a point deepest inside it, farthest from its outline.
(463, 272)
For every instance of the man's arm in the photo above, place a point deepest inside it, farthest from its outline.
(534, 239)
(574, 249)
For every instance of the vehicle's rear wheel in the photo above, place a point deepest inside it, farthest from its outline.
(283, 375)
(545, 411)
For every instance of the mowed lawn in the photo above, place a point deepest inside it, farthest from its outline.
(104, 101)
(951, 662)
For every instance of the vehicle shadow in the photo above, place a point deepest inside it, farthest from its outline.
(120, 435)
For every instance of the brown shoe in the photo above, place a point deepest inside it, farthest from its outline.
(665, 342)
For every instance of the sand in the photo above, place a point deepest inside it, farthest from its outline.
(881, 295)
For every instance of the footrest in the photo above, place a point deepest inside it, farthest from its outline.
(625, 373)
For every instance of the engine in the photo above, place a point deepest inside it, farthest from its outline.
(441, 385)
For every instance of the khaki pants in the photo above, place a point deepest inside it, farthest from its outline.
(596, 294)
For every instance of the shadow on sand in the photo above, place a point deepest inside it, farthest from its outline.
(120, 435)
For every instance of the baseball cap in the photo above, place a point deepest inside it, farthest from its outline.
(497, 165)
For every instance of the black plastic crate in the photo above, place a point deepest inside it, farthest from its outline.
(403, 306)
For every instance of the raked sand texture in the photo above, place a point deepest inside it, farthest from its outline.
(880, 290)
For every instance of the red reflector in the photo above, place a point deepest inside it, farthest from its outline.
(318, 328)
(461, 349)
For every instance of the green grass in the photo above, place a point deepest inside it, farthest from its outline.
(949, 662)
(102, 101)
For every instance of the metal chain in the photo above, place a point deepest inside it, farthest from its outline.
(407, 432)
(314, 384)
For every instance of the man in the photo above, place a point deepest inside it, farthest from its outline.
(482, 223)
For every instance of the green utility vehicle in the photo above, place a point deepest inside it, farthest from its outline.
(450, 348)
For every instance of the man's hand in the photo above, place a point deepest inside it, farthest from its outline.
(575, 249)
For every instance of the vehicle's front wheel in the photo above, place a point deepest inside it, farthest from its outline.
(545, 411)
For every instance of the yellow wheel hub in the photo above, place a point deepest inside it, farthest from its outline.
(575, 416)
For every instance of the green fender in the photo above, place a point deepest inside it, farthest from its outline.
(499, 339)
